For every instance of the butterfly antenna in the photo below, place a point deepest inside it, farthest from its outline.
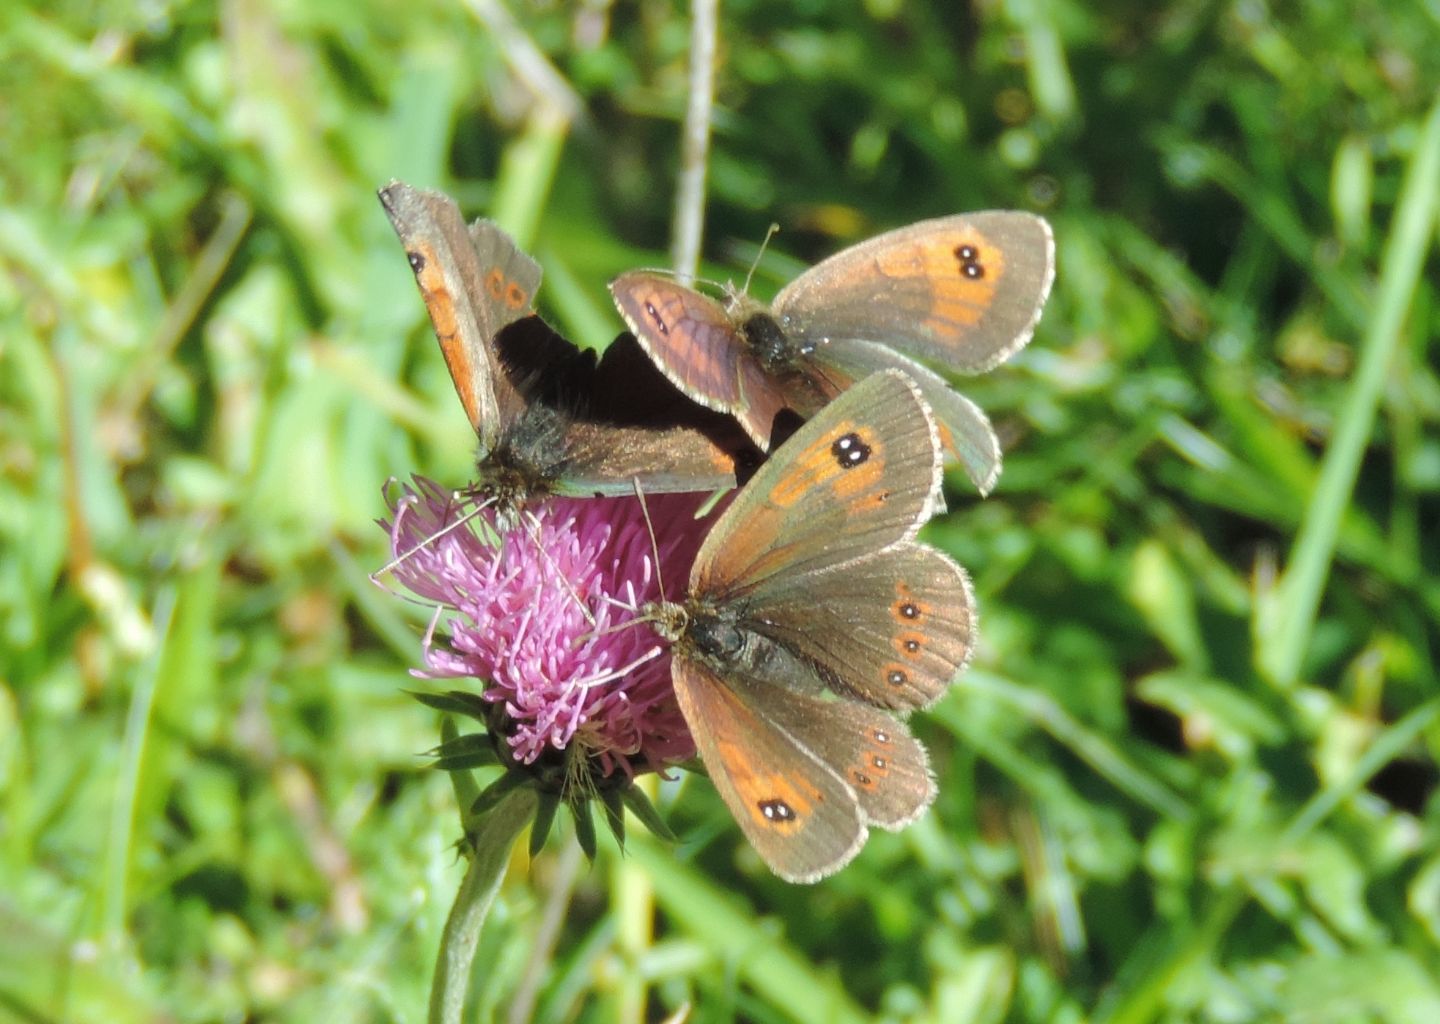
(404, 556)
(671, 274)
(628, 606)
(637, 616)
(654, 544)
(618, 627)
(617, 673)
(758, 256)
(532, 527)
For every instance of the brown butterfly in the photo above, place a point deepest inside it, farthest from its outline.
(550, 419)
(965, 291)
(810, 608)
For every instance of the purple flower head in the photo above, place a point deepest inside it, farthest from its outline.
(537, 613)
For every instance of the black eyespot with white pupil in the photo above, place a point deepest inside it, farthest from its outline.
(970, 265)
(776, 810)
(656, 319)
(896, 677)
(850, 451)
(417, 262)
(910, 610)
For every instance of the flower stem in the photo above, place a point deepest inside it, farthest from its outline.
(492, 842)
(695, 147)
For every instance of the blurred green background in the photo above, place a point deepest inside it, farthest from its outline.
(1191, 775)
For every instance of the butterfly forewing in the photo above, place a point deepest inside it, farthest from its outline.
(964, 290)
(861, 475)
(453, 279)
(965, 430)
(892, 629)
(801, 817)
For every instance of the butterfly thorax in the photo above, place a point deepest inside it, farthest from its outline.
(727, 639)
(713, 634)
(768, 342)
(764, 334)
(527, 461)
(700, 629)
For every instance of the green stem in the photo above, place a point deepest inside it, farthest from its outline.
(527, 170)
(492, 842)
(1288, 617)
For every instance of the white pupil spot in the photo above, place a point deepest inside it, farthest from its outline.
(777, 810)
(850, 451)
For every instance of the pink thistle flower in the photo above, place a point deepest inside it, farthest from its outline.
(538, 613)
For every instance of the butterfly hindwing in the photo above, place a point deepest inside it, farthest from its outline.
(877, 757)
(611, 460)
(892, 628)
(628, 424)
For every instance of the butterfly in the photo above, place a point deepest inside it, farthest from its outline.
(964, 291)
(811, 613)
(550, 418)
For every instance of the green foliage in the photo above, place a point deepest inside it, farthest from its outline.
(1191, 774)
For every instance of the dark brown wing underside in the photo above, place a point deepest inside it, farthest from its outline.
(622, 420)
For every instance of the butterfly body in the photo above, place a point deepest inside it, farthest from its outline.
(526, 466)
(724, 637)
(549, 418)
(963, 291)
(767, 341)
(811, 614)
(710, 634)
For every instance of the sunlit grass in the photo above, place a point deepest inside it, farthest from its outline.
(1191, 775)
